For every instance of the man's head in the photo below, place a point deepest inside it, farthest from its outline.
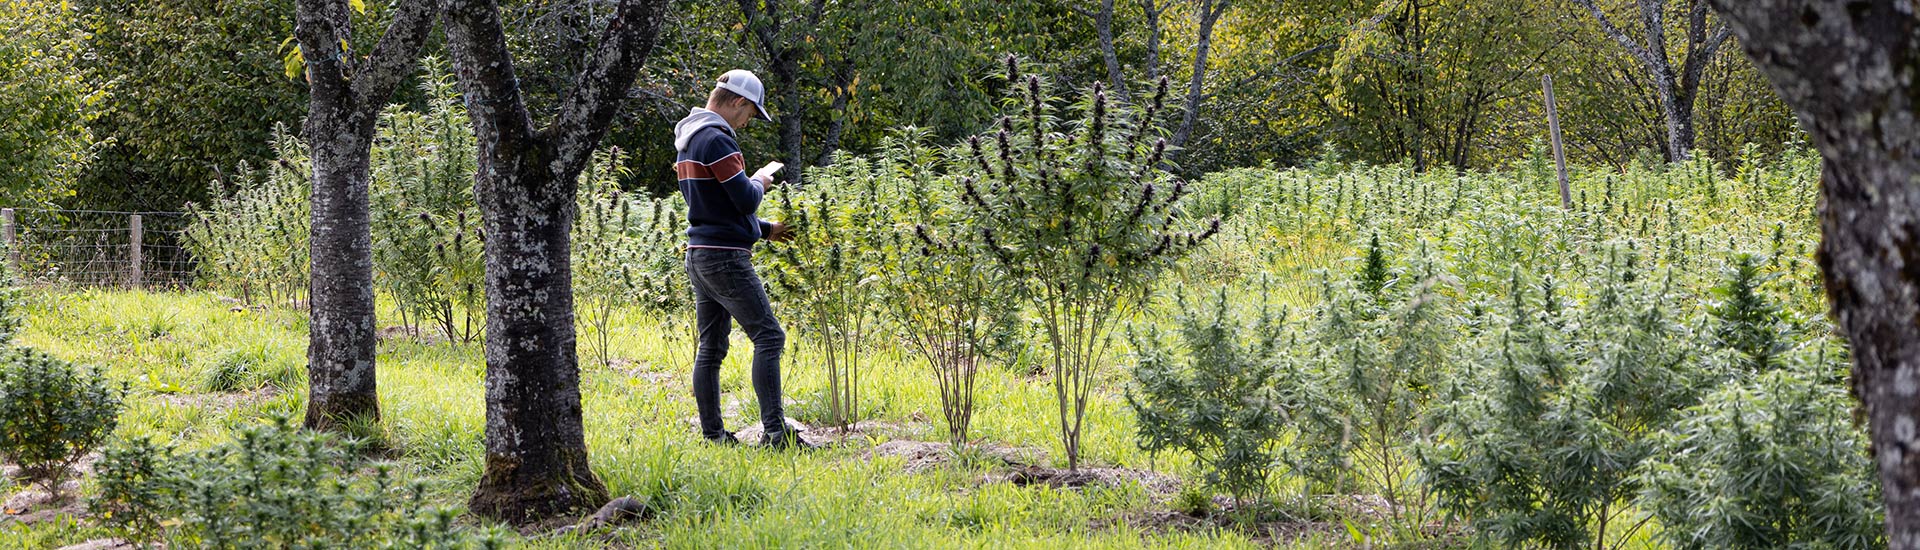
(739, 97)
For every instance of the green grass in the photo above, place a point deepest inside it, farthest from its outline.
(165, 346)
(175, 350)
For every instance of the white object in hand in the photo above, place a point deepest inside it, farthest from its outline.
(766, 172)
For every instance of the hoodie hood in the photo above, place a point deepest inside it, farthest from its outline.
(696, 120)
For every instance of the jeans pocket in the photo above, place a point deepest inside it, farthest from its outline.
(723, 273)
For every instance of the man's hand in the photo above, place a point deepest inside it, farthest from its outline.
(781, 233)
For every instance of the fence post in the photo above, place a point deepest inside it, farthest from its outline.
(1559, 158)
(8, 232)
(139, 279)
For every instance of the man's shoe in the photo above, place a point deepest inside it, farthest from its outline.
(726, 439)
(787, 439)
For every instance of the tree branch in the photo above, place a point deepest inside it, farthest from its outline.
(493, 91)
(1607, 27)
(320, 27)
(764, 26)
(397, 54)
(590, 105)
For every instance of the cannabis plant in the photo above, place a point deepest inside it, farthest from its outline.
(828, 272)
(1215, 395)
(625, 254)
(271, 486)
(52, 413)
(251, 236)
(1540, 447)
(1768, 462)
(1747, 321)
(1070, 199)
(426, 227)
(943, 292)
(1380, 344)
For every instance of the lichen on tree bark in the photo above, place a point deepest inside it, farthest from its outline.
(1848, 69)
(346, 94)
(536, 465)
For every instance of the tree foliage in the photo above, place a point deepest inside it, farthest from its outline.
(46, 101)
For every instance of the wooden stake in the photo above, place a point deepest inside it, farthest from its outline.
(8, 233)
(1559, 157)
(139, 277)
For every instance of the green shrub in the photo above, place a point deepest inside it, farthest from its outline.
(272, 486)
(425, 223)
(948, 299)
(828, 272)
(251, 236)
(130, 490)
(1769, 462)
(52, 413)
(626, 254)
(1069, 197)
(1381, 342)
(12, 304)
(1539, 446)
(1215, 396)
(1746, 320)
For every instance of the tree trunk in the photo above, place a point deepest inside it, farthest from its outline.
(535, 439)
(786, 75)
(1103, 28)
(1674, 93)
(340, 348)
(345, 98)
(1848, 68)
(766, 20)
(1209, 12)
(1678, 119)
(537, 463)
(1152, 10)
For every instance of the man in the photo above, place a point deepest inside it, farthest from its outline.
(721, 232)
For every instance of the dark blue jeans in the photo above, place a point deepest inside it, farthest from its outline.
(726, 289)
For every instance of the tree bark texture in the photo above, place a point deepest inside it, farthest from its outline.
(1207, 12)
(1103, 29)
(1849, 69)
(346, 94)
(784, 45)
(536, 460)
(1675, 89)
(1152, 9)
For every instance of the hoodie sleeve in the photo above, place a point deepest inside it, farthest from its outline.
(729, 171)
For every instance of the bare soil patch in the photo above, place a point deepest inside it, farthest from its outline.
(1155, 482)
(30, 504)
(219, 401)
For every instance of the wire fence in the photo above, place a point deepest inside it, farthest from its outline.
(98, 248)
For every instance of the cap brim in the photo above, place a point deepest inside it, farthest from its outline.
(763, 113)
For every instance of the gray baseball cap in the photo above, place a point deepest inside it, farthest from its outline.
(745, 84)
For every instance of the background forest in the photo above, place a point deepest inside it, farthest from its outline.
(1183, 273)
(142, 105)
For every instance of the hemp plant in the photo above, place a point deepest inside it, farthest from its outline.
(1540, 445)
(828, 271)
(1069, 198)
(623, 255)
(251, 235)
(1379, 344)
(944, 293)
(426, 226)
(1217, 395)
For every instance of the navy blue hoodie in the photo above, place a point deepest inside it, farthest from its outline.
(721, 199)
